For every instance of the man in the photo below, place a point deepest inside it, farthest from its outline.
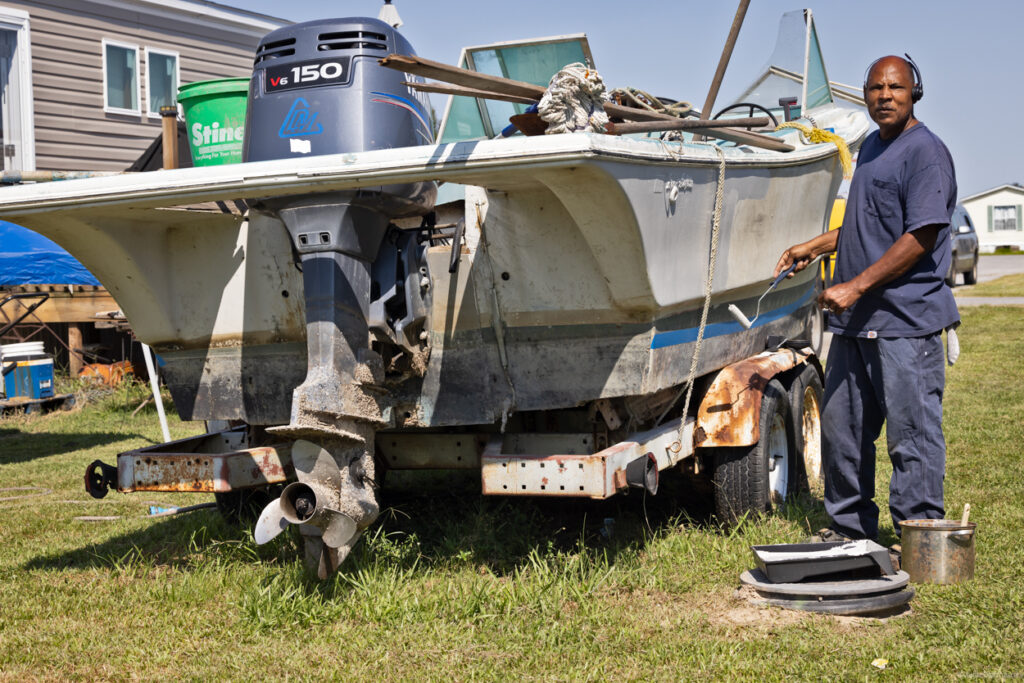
(887, 312)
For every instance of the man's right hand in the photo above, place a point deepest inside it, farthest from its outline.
(800, 254)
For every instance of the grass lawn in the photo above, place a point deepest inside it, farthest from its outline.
(450, 585)
(1007, 285)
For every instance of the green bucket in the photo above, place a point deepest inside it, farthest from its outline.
(215, 118)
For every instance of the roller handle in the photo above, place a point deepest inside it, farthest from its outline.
(781, 277)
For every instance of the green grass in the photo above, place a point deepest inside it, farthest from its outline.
(1007, 285)
(1005, 251)
(451, 585)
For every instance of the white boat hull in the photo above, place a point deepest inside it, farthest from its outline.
(582, 273)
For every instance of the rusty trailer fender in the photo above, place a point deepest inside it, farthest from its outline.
(729, 414)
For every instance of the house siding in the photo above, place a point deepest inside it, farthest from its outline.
(980, 209)
(72, 130)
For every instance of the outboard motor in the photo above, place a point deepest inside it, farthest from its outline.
(318, 89)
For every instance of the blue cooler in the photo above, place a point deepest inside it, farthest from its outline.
(27, 371)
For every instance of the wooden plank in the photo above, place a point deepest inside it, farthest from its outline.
(443, 89)
(683, 124)
(428, 68)
(66, 309)
(75, 344)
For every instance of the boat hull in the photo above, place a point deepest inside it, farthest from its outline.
(582, 273)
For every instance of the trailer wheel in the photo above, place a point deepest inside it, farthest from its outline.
(755, 479)
(243, 507)
(815, 327)
(805, 400)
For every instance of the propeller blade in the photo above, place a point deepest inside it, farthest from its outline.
(340, 530)
(271, 522)
(315, 464)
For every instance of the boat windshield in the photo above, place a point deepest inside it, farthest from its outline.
(796, 69)
(533, 61)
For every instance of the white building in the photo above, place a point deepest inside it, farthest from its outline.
(996, 214)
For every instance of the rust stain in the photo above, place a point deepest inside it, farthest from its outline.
(210, 473)
(729, 414)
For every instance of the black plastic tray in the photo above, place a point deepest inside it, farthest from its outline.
(790, 570)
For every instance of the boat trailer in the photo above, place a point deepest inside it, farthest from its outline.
(514, 463)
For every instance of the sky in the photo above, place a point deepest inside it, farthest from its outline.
(967, 52)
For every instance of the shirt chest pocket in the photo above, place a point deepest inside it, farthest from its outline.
(883, 199)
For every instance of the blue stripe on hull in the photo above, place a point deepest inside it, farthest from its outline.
(688, 335)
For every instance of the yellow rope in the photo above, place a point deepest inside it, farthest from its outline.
(819, 135)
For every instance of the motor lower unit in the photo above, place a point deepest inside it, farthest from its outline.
(318, 89)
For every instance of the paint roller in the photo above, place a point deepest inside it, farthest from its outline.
(747, 322)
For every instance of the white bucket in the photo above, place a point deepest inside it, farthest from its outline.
(22, 350)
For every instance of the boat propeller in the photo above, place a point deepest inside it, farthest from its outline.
(314, 499)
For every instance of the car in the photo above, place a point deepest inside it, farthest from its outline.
(965, 248)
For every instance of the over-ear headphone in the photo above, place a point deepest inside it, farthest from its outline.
(916, 92)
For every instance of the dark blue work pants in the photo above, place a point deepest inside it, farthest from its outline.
(898, 381)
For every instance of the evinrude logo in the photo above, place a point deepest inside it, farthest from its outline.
(300, 121)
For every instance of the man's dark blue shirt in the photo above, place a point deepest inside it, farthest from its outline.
(900, 185)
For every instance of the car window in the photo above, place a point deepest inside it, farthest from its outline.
(967, 221)
(962, 218)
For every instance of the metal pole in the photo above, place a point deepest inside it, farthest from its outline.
(154, 382)
(730, 42)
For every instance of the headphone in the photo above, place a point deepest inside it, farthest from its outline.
(916, 92)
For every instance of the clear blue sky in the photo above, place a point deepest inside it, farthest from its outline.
(968, 52)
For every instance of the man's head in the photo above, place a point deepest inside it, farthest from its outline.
(888, 92)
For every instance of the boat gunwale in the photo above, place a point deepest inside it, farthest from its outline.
(351, 171)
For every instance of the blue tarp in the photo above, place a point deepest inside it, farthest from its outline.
(28, 258)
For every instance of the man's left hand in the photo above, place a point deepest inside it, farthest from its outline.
(838, 298)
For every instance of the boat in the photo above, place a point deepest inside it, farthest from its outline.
(539, 307)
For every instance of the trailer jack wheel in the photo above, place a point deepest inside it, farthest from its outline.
(99, 478)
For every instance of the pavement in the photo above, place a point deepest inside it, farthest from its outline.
(962, 301)
(992, 267)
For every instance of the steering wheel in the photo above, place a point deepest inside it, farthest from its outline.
(752, 107)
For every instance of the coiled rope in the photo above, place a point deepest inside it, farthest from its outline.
(819, 135)
(645, 100)
(574, 101)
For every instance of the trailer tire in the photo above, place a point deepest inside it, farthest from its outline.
(243, 507)
(746, 482)
(805, 401)
(814, 330)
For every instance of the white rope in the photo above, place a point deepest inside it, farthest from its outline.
(574, 101)
(715, 224)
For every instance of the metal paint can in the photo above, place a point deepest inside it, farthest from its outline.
(938, 550)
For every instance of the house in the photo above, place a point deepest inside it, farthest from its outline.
(996, 214)
(83, 80)
(82, 83)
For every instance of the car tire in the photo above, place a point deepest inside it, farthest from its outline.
(971, 276)
(751, 480)
(951, 274)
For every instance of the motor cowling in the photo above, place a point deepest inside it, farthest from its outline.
(317, 88)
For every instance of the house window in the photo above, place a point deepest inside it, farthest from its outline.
(161, 80)
(120, 77)
(1004, 218)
